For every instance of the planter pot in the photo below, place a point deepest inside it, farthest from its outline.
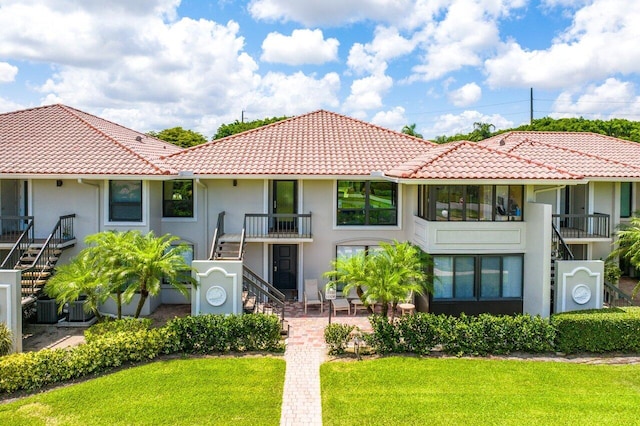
(77, 312)
(47, 311)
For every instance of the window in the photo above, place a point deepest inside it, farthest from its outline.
(125, 201)
(367, 203)
(184, 275)
(177, 198)
(470, 203)
(481, 277)
(625, 199)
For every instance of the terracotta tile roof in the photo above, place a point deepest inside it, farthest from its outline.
(60, 140)
(467, 160)
(590, 154)
(318, 143)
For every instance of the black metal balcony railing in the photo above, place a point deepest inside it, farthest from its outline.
(582, 225)
(280, 225)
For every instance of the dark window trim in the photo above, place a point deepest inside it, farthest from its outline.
(168, 210)
(427, 204)
(628, 198)
(367, 205)
(137, 204)
(477, 283)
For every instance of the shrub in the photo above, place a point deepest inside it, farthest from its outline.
(113, 326)
(475, 335)
(223, 333)
(6, 339)
(337, 336)
(386, 337)
(598, 330)
(488, 334)
(421, 332)
(31, 370)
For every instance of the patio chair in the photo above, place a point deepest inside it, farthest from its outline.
(312, 295)
(355, 300)
(341, 304)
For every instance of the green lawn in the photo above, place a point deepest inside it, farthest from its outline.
(413, 391)
(203, 391)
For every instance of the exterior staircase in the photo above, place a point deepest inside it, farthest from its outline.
(258, 295)
(37, 258)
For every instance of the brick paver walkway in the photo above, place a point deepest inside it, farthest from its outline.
(306, 350)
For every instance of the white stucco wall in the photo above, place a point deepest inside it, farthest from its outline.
(537, 260)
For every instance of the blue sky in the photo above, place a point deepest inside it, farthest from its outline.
(442, 64)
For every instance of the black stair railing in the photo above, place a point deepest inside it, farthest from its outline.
(25, 239)
(613, 296)
(265, 298)
(37, 269)
(219, 231)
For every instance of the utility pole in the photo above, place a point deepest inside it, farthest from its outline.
(531, 106)
(242, 117)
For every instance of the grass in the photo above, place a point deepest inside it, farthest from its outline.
(414, 391)
(202, 391)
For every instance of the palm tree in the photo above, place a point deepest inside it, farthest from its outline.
(149, 260)
(628, 246)
(410, 129)
(108, 253)
(386, 275)
(79, 278)
(481, 131)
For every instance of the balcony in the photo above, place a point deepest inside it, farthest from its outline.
(269, 226)
(581, 227)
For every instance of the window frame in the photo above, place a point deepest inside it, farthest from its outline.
(478, 278)
(165, 202)
(112, 204)
(627, 197)
(367, 209)
(428, 200)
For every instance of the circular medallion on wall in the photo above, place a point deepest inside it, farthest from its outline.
(216, 295)
(581, 294)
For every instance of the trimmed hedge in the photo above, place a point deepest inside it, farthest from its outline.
(598, 330)
(31, 370)
(119, 342)
(224, 333)
(464, 335)
(112, 326)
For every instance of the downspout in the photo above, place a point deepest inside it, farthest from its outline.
(206, 211)
(97, 186)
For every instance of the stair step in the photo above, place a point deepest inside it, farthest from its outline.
(34, 274)
(29, 283)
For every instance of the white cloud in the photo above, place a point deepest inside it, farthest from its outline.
(600, 42)
(7, 105)
(387, 44)
(392, 119)
(8, 72)
(366, 93)
(466, 95)
(451, 124)
(302, 47)
(613, 98)
(329, 12)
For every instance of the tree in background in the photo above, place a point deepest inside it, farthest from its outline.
(410, 129)
(242, 126)
(387, 275)
(616, 127)
(178, 136)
